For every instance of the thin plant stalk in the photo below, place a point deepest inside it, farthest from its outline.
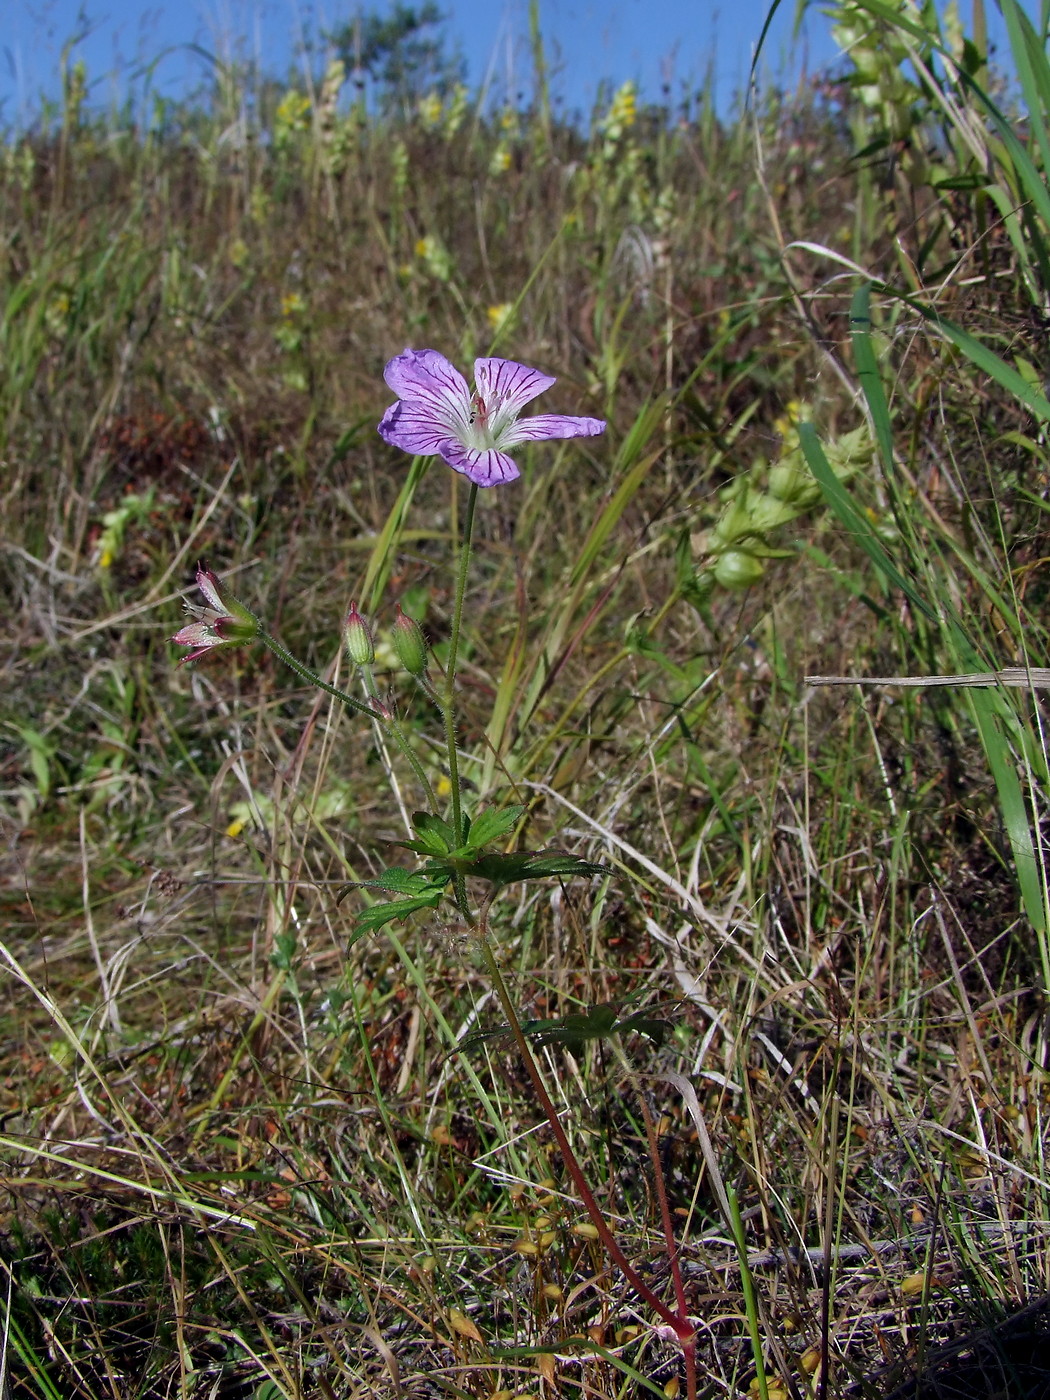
(388, 723)
(311, 677)
(449, 700)
(748, 1287)
(678, 1322)
(670, 1243)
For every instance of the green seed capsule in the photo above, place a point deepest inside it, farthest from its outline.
(409, 644)
(360, 643)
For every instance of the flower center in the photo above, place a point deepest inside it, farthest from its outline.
(480, 423)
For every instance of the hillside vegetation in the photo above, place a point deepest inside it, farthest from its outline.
(785, 982)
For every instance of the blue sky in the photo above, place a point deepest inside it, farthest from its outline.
(651, 41)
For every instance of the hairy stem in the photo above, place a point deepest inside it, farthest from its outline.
(670, 1244)
(311, 677)
(386, 722)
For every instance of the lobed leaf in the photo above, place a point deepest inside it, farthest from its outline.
(492, 824)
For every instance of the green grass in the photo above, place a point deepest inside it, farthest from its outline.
(238, 1159)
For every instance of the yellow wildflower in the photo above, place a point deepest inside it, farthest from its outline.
(500, 314)
(430, 110)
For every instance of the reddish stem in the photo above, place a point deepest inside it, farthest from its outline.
(679, 1322)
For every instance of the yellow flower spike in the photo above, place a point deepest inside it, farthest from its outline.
(236, 827)
(430, 110)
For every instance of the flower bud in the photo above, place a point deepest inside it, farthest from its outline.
(235, 623)
(735, 523)
(792, 482)
(767, 513)
(360, 643)
(409, 643)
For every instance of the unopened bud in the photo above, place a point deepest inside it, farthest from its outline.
(360, 644)
(738, 569)
(791, 481)
(409, 643)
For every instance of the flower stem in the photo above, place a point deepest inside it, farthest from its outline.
(388, 723)
(678, 1321)
(311, 677)
(448, 707)
(670, 1243)
(394, 728)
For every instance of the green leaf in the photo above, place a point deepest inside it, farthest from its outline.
(506, 869)
(436, 837)
(492, 824)
(841, 503)
(656, 1029)
(421, 848)
(372, 920)
(430, 880)
(1013, 806)
(596, 1023)
(400, 881)
(41, 752)
(868, 373)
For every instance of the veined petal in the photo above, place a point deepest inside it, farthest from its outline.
(203, 638)
(482, 466)
(414, 427)
(208, 584)
(197, 634)
(426, 378)
(549, 425)
(506, 387)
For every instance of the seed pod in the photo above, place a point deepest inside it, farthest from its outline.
(409, 644)
(792, 482)
(736, 569)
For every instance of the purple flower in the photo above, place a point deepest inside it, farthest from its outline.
(232, 627)
(437, 413)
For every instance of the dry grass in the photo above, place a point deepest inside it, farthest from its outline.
(240, 1162)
